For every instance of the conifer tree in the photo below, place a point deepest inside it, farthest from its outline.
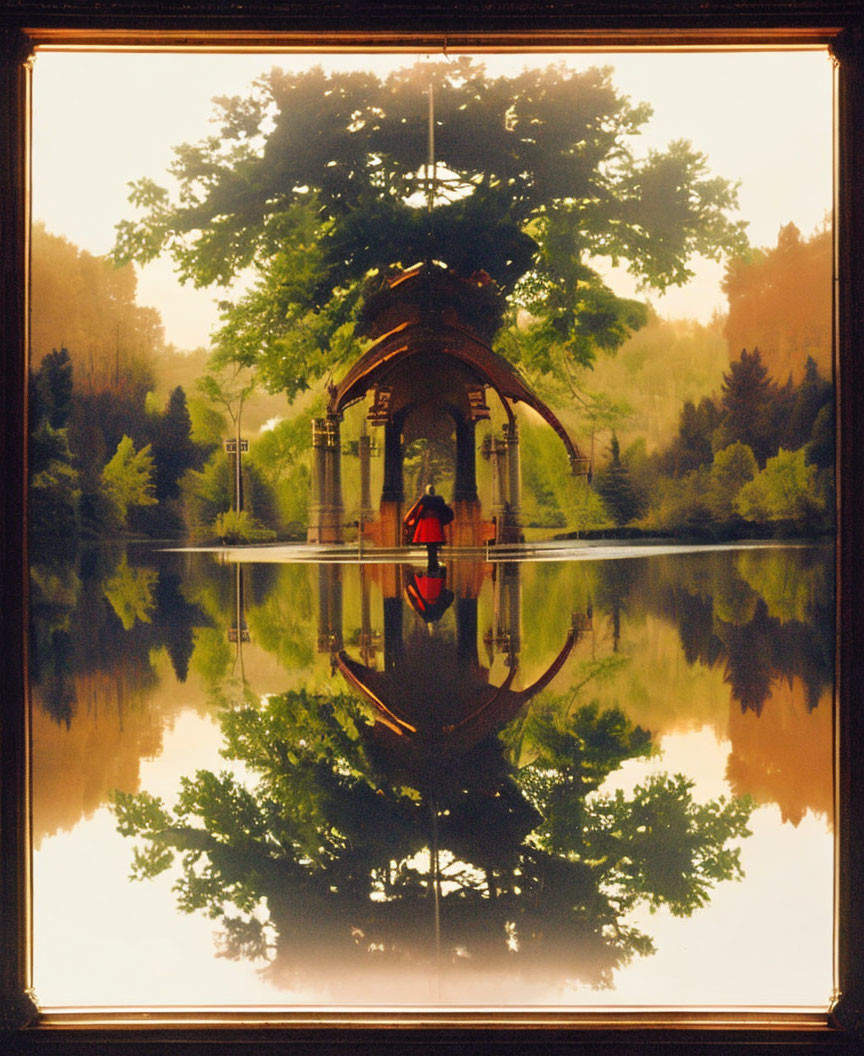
(812, 395)
(747, 407)
(173, 449)
(53, 388)
(616, 488)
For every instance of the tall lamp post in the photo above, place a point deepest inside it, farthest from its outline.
(237, 447)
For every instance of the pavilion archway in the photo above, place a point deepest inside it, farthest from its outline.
(430, 363)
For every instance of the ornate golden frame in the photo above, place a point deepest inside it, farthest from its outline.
(555, 24)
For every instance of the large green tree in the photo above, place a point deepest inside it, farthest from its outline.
(320, 181)
(330, 839)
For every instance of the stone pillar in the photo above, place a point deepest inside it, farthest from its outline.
(326, 511)
(497, 452)
(465, 484)
(393, 489)
(506, 610)
(393, 644)
(365, 452)
(366, 649)
(511, 606)
(329, 608)
(514, 477)
(466, 633)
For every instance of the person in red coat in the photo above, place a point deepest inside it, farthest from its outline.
(425, 523)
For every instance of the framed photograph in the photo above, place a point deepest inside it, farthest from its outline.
(431, 502)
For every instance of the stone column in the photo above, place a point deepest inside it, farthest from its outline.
(465, 484)
(511, 606)
(393, 489)
(365, 452)
(507, 610)
(329, 608)
(326, 510)
(497, 452)
(333, 477)
(394, 648)
(466, 633)
(514, 479)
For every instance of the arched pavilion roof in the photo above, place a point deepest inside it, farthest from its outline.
(415, 338)
(485, 707)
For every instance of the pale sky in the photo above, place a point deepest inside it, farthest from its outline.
(774, 927)
(102, 120)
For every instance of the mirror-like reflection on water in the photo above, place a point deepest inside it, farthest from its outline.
(582, 780)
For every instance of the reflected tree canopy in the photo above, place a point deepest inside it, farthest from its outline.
(325, 857)
(456, 757)
(436, 815)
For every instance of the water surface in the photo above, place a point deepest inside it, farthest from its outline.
(603, 777)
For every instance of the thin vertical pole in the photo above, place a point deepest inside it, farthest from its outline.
(431, 174)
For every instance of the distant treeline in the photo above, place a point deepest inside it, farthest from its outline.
(759, 455)
(684, 442)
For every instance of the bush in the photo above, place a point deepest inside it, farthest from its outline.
(233, 527)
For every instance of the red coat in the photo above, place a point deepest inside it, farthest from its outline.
(426, 519)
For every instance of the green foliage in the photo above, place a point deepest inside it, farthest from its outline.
(317, 181)
(616, 488)
(573, 755)
(283, 623)
(733, 467)
(747, 406)
(692, 448)
(212, 655)
(812, 396)
(228, 384)
(233, 527)
(793, 590)
(127, 481)
(661, 846)
(680, 505)
(55, 490)
(820, 450)
(299, 340)
(207, 493)
(746, 429)
(52, 389)
(207, 425)
(173, 449)
(319, 833)
(54, 481)
(281, 457)
(130, 592)
(659, 369)
(785, 490)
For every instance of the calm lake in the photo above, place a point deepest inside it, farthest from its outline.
(588, 776)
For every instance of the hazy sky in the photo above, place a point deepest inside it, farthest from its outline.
(763, 941)
(104, 119)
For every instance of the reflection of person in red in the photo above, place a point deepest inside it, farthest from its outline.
(428, 595)
(425, 523)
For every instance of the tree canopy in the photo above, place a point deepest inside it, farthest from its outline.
(318, 181)
(780, 300)
(330, 840)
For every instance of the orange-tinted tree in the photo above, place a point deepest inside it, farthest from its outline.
(86, 304)
(780, 302)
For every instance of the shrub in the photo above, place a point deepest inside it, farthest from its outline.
(234, 527)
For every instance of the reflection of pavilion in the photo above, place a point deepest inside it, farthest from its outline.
(433, 699)
(428, 371)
